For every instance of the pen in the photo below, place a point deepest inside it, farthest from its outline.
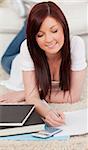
(58, 115)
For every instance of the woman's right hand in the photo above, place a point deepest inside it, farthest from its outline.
(54, 118)
(48, 115)
(51, 116)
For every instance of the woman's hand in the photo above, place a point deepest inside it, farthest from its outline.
(54, 118)
(13, 97)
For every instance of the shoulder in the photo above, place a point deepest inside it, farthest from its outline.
(77, 42)
(24, 46)
(24, 49)
(25, 57)
(76, 38)
(78, 53)
(24, 43)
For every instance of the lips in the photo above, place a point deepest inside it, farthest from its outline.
(52, 45)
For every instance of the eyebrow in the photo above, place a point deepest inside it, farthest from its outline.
(50, 27)
(53, 26)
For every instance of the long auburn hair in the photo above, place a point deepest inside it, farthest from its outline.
(42, 72)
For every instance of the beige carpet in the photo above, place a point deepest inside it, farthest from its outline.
(74, 143)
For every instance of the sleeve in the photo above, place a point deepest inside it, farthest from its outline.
(26, 61)
(78, 58)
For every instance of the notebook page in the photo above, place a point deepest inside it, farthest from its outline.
(76, 123)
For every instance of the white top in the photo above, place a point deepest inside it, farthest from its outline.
(24, 62)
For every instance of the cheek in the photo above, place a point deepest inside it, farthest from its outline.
(61, 38)
(40, 43)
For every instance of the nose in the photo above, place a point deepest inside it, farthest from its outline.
(48, 38)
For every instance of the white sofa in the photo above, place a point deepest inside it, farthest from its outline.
(11, 20)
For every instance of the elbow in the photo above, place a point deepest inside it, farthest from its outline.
(74, 98)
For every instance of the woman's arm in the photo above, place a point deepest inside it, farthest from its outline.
(31, 92)
(77, 81)
(53, 117)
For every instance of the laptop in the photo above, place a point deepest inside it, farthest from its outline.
(19, 119)
(16, 115)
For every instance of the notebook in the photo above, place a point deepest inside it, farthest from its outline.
(18, 119)
(76, 123)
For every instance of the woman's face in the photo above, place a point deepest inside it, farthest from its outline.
(50, 37)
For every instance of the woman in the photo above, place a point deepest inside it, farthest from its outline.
(48, 66)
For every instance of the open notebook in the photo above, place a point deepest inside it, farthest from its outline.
(76, 123)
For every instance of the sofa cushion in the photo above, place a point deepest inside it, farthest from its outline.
(9, 20)
(75, 12)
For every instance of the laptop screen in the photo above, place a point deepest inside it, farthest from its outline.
(14, 113)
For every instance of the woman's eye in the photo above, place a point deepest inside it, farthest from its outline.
(54, 31)
(39, 35)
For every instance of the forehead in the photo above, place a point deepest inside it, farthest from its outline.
(49, 22)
